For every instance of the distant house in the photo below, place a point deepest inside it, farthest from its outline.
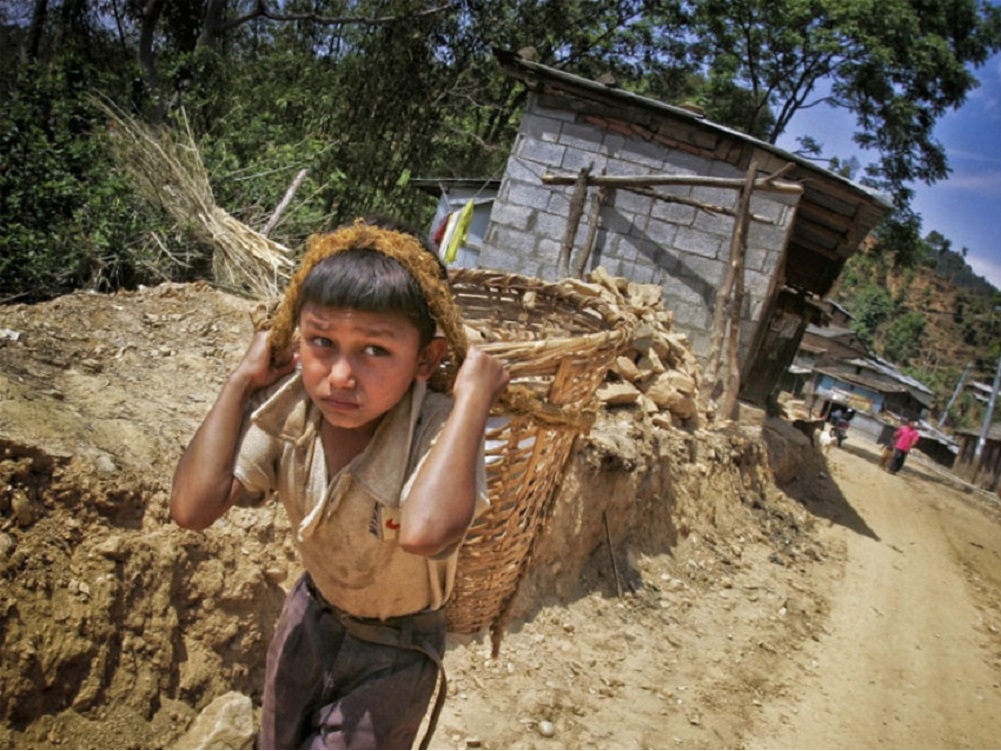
(834, 368)
(871, 385)
(819, 347)
(832, 343)
(882, 398)
(797, 243)
(840, 316)
(981, 391)
(985, 471)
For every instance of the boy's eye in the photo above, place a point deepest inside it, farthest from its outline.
(375, 350)
(320, 341)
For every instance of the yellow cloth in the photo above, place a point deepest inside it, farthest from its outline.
(457, 236)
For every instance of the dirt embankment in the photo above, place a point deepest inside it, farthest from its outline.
(673, 596)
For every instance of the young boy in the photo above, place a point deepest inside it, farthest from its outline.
(380, 478)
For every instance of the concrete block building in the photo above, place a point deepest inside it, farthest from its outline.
(796, 243)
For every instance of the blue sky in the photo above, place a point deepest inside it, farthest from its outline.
(966, 207)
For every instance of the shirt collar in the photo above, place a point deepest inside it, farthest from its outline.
(381, 468)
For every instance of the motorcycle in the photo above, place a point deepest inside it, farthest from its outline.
(840, 420)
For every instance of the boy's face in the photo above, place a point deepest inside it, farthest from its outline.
(357, 365)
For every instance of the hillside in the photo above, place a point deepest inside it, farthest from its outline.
(931, 324)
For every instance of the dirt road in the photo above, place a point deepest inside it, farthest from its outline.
(910, 656)
(890, 639)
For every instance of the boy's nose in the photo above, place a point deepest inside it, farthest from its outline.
(341, 374)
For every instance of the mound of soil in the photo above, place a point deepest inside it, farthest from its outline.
(117, 628)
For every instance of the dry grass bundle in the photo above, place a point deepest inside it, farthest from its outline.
(167, 169)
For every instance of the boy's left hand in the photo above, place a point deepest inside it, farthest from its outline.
(481, 376)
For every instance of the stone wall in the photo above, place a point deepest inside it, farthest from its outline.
(682, 248)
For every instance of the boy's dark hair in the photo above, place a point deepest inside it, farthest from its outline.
(367, 280)
(412, 281)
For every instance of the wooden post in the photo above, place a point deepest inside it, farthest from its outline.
(286, 200)
(725, 301)
(738, 251)
(611, 554)
(592, 230)
(577, 202)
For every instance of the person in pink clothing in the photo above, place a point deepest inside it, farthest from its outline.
(903, 441)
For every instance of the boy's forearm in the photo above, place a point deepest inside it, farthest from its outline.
(441, 502)
(203, 480)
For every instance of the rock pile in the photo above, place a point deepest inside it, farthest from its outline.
(658, 376)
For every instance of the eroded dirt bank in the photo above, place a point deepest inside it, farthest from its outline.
(118, 628)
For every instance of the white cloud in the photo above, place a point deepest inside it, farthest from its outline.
(988, 268)
(982, 182)
(987, 95)
(973, 156)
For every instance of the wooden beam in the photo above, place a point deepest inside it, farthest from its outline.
(648, 181)
(685, 201)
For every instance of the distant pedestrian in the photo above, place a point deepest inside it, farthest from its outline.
(903, 441)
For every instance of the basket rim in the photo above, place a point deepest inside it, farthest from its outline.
(617, 321)
(584, 343)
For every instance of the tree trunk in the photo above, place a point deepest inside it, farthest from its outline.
(151, 13)
(33, 42)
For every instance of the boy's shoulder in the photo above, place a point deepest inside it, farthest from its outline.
(281, 408)
(436, 403)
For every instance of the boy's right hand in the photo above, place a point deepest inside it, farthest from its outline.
(204, 485)
(256, 370)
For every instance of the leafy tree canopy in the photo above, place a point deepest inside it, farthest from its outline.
(897, 65)
(364, 94)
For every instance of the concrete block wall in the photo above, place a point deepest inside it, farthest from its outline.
(682, 248)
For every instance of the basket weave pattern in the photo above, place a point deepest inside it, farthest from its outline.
(559, 344)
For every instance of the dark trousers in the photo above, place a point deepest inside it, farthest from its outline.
(899, 457)
(325, 688)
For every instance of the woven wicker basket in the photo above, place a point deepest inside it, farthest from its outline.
(559, 344)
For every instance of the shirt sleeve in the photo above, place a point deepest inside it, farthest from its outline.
(256, 460)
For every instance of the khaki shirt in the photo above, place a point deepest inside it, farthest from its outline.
(347, 528)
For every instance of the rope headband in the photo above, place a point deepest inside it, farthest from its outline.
(403, 247)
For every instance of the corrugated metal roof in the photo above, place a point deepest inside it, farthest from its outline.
(828, 332)
(890, 370)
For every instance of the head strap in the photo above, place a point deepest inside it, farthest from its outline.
(425, 269)
(406, 249)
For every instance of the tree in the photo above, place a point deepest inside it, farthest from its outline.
(897, 65)
(69, 220)
(903, 337)
(364, 94)
(873, 306)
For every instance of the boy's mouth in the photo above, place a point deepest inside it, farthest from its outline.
(342, 404)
